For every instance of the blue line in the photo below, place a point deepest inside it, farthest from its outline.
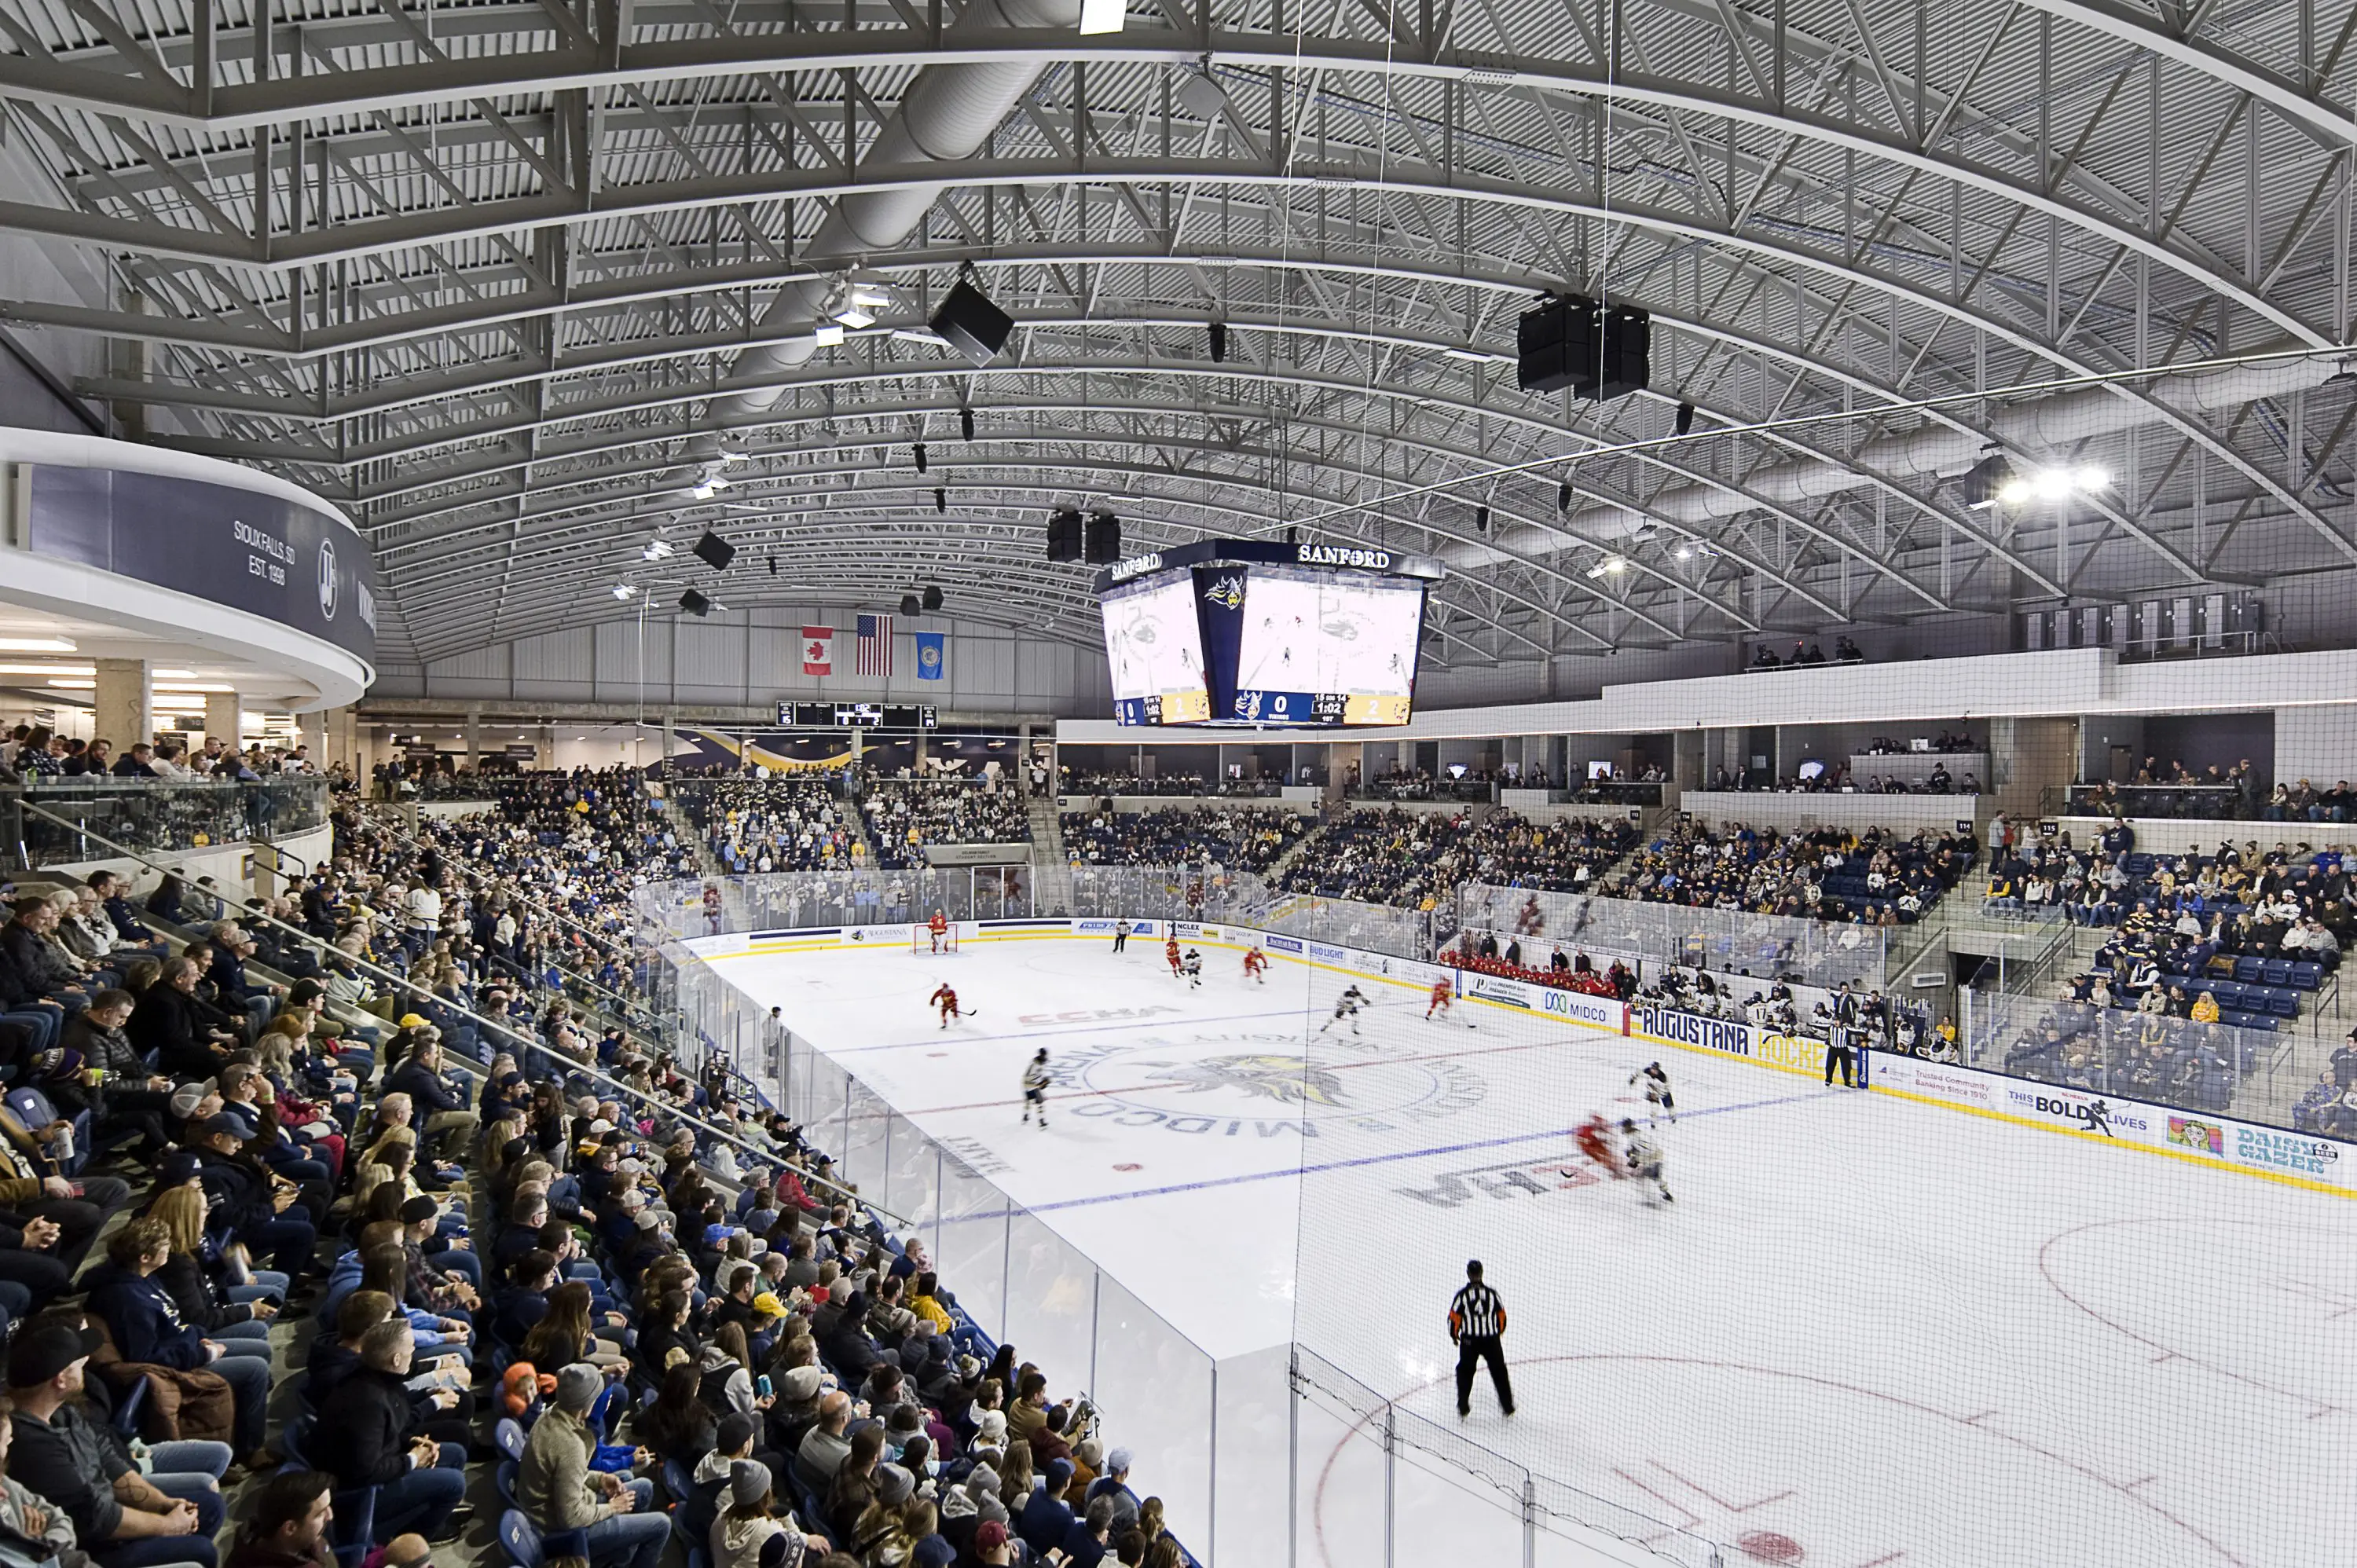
(1346, 1165)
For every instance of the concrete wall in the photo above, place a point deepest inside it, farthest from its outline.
(229, 864)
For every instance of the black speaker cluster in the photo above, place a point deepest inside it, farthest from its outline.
(1570, 342)
(915, 605)
(1095, 539)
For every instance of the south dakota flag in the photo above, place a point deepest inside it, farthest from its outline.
(932, 655)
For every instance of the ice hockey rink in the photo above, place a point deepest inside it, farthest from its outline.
(1868, 1331)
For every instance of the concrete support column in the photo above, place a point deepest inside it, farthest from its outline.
(222, 718)
(2028, 758)
(1687, 749)
(312, 728)
(119, 710)
(474, 738)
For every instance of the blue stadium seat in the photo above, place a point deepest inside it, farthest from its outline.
(508, 1435)
(520, 1540)
(2284, 1003)
(2250, 971)
(2307, 976)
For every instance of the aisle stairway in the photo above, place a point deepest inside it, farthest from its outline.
(1051, 865)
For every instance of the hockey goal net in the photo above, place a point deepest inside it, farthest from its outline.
(924, 944)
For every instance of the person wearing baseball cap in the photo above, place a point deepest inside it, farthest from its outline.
(124, 1519)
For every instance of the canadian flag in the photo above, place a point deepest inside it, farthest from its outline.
(818, 650)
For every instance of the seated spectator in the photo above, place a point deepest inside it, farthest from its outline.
(369, 1434)
(124, 1516)
(559, 1492)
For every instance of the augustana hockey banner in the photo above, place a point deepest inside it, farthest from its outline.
(1729, 1036)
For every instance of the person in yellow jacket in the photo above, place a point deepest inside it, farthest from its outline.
(926, 1302)
(2205, 1008)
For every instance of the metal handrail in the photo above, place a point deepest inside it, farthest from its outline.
(402, 984)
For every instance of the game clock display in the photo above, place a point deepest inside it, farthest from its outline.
(856, 715)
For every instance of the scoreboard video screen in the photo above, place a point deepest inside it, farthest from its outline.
(1154, 647)
(1250, 633)
(1326, 648)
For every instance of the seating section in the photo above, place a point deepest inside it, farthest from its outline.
(422, 1167)
(903, 818)
(1414, 859)
(1878, 878)
(1251, 839)
(772, 824)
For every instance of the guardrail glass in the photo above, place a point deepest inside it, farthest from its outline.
(156, 816)
(1820, 953)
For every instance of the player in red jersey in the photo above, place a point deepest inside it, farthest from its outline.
(939, 927)
(1442, 997)
(946, 1000)
(1256, 965)
(1170, 956)
(1594, 1137)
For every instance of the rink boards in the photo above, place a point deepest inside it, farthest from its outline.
(2271, 1154)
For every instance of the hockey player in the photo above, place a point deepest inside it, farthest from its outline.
(1256, 965)
(1641, 1157)
(1443, 994)
(1656, 1085)
(940, 928)
(1120, 935)
(1346, 1005)
(1594, 1137)
(1170, 955)
(712, 906)
(1035, 1086)
(946, 1000)
(1192, 967)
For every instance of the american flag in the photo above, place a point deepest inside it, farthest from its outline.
(875, 647)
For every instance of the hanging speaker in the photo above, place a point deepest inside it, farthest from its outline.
(1481, 519)
(919, 450)
(715, 552)
(1686, 417)
(940, 498)
(695, 603)
(1219, 335)
(1101, 544)
(909, 606)
(965, 423)
(970, 324)
(932, 597)
(1064, 535)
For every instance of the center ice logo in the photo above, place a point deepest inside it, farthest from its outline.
(1282, 1079)
(1247, 1084)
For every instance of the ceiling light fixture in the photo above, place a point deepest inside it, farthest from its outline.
(656, 550)
(624, 590)
(1099, 16)
(36, 645)
(827, 335)
(48, 669)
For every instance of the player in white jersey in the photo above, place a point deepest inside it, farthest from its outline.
(1346, 1005)
(1191, 966)
(1641, 1158)
(1656, 1085)
(1035, 1086)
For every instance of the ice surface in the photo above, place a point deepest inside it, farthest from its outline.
(1869, 1331)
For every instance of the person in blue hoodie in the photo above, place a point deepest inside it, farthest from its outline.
(147, 1327)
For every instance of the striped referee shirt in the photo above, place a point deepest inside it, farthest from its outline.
(1477, 1312)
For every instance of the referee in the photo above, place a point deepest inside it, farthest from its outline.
(1476, 1320)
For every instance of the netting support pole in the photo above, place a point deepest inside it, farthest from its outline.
(1213, 1502)
(1529, 1522)
(1293, 1459)
(1390, 1448)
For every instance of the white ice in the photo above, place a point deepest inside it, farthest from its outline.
(1868, 1331)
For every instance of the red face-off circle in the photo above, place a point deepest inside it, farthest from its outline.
(1767, 1546)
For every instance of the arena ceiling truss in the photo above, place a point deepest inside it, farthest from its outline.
(514, 281)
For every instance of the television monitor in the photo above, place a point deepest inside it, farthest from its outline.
(1154, 645)
(1326, 648)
